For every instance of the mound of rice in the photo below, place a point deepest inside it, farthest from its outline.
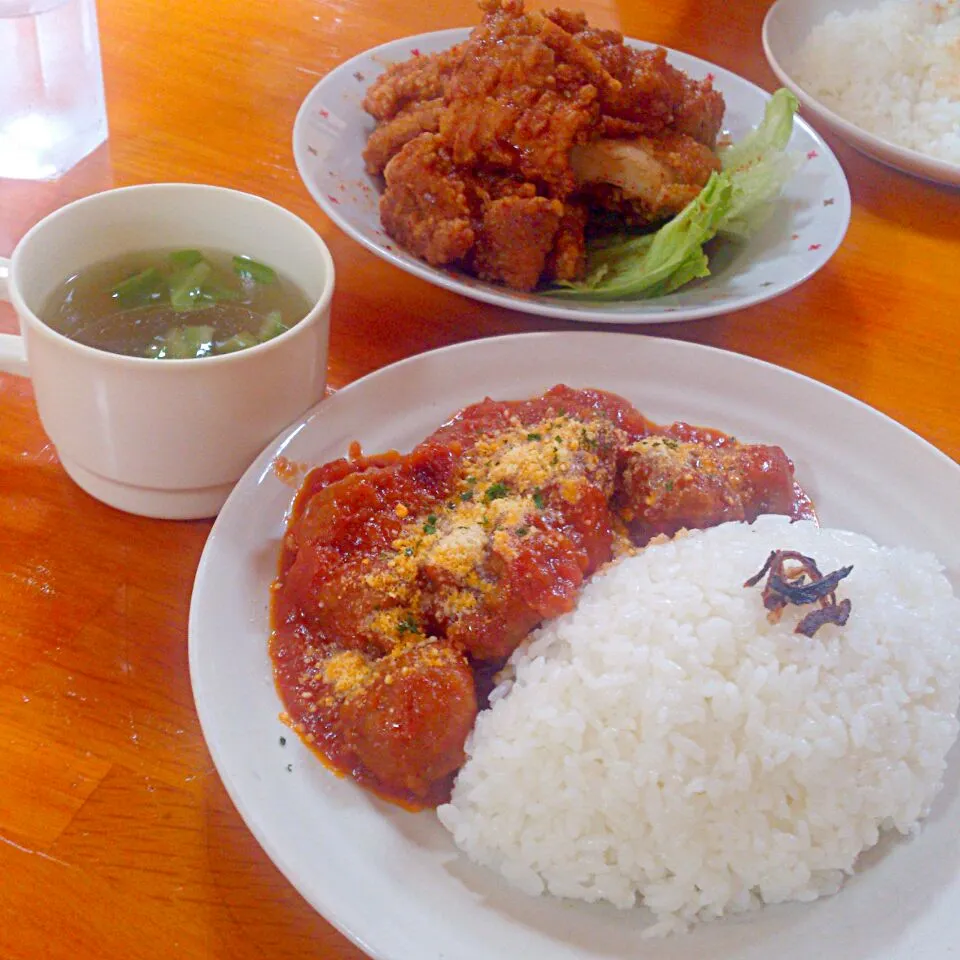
(665, 744)
(893, 70)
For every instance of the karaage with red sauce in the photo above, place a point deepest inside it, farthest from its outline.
(407, 579)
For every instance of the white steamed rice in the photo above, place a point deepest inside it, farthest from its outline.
(893, 69)
(665, 744)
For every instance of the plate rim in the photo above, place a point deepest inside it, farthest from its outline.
(530, 303)
(253, 819)
(901, 158)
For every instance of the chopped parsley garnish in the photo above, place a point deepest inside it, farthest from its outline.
(538, 499)
(670, 444)
(589, 442)
(668, 485)
(408, 552)
(466, 495)
(534, 436)
(431, 525)
(407, 624)
(471, 480)
(496, 491)
(522, 531)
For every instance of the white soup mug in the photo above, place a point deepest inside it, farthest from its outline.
(165, 438)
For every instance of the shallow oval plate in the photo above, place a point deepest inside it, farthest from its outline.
(331, 131)
(393, 881)
(785, 28)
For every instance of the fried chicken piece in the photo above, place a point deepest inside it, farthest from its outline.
(700, 114)
(652, 95)
(498, 237)
(407, 725)
(522, 95)
(424, 206)
(496, 224)
(572, 21)
(515, 237)
(390, 137)
(648, 180)
(340, 503)
(530, 585)
(530, 545)
(650, 89)
(568, 258)
(417, 80)
(669, 485)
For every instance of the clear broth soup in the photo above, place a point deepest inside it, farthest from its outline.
(175, 304)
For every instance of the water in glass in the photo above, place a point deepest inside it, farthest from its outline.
(52, 111)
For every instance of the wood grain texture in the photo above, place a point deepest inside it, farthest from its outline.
(117, 841)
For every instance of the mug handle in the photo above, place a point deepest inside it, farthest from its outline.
(13, 355)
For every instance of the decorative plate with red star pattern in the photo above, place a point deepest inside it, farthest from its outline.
(804, 232)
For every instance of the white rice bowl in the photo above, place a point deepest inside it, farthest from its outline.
(893, 70)
(665, 744)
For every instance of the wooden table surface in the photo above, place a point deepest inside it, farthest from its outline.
(117, 840)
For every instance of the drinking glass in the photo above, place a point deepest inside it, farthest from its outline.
(52, 111)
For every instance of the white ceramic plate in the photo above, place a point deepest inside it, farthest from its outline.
(393, 881)
(331, 131)
(787, 25)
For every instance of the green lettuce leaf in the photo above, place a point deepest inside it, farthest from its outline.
(733, 203)
(759, 167)
(771, 135)
(656, 263)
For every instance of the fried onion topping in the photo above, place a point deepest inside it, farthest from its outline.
(793, 579)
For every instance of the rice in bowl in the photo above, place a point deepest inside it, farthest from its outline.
(893, 70)
(664, 743)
